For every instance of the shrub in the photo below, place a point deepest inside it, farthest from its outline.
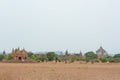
(96, 60)
(110, 59)
(72, 59)
(103, 59)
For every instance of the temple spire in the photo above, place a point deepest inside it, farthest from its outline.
(4, 53)
(81, 54)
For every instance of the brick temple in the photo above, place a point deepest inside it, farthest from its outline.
(19, 55)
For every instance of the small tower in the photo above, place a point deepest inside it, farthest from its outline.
(81, 54)
(66, 52)
(4, 53)
(66, 56)
(18, 51)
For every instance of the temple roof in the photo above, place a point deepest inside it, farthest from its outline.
(101, 50)
(19, 51)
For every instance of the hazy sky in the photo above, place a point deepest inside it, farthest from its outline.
(52, 25)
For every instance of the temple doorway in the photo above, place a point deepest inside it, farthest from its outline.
(20, 58)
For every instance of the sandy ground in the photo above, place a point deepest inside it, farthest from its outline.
(59, 71)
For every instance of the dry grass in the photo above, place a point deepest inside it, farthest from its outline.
(59, 71)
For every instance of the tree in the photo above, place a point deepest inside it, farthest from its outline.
(43, 57)
(61, 57)
(1, 57)
(66, 53)
(9, 57)
(72, 59)
(90, 56)
(33, 57)
(56, 58)
(51, 56)
(30, 54)
(117, 56)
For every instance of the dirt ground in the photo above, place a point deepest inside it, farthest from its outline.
(59, 71)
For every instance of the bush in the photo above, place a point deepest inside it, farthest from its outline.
(72, 59)
(103, 59)
(96, 60)
(110, 59)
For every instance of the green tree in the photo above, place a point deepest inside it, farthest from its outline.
(1, 57)
(90, 56)
(117, 56)
(56, 59)
(30, 54)
(66, 53)
(51, 56)
(43, 57)
(9, 57)
(33, 57)
(73, 58)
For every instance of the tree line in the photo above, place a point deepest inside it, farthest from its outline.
(66, 58)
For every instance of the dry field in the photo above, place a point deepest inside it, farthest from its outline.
(59, 71)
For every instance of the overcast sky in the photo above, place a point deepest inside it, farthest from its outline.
(52, 25)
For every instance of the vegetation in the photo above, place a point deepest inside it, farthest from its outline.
(90, 56)
(103, 59)
(1, 57)
(9, 57)
(30, 54)
(43, 57)
(116, 57)
(52, 56)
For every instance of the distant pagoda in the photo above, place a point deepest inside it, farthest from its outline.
(4, 53)
(101, 53)
(81, 54)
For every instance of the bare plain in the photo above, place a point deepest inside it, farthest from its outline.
(59, 71)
